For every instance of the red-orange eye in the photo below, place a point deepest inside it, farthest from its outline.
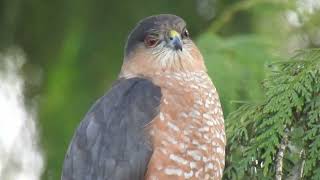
(150, 41)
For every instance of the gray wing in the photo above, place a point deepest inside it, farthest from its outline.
(110, 142)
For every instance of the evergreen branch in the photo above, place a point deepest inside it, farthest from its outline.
(292, 101)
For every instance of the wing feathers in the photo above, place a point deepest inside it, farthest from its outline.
(110, 142)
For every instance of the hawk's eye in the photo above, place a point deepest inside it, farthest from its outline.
(151, 41)
(185, 33)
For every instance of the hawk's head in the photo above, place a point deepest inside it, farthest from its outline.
(161, 43)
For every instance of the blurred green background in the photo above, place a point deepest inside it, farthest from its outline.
(74, 50)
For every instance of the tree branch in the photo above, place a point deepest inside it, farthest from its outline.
(280, 155)
(302, 156)
(230, 11)
(297, 171)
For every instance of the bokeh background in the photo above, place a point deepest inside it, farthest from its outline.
(72, 51)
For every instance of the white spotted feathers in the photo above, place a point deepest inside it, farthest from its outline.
(188, 134)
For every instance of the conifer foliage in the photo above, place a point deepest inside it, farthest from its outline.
(279, 138)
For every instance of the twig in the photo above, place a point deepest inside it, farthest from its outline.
(296, 172)
(280, 155)
(302, 156)
(230, 11)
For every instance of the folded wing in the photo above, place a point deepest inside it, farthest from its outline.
(111, 142)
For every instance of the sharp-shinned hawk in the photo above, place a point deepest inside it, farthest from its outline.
(161, 120)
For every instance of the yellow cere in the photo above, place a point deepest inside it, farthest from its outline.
(174, 33)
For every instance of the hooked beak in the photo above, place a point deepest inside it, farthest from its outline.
(175, 40)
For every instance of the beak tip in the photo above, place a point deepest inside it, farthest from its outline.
(178, 47)
(177, 43)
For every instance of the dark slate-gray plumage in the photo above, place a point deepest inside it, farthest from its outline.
(110, 142)
(145, 26)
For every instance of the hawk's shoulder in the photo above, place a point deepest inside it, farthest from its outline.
(110, 142)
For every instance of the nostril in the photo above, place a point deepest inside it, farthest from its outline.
(171, 38)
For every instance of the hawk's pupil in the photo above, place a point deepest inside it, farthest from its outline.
(150, 41)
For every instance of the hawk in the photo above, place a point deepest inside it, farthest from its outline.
(162, 118)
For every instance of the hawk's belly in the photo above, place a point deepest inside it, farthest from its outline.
(188, 135)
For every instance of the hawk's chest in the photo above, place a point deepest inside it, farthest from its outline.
(190, 119)
(188, 98)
